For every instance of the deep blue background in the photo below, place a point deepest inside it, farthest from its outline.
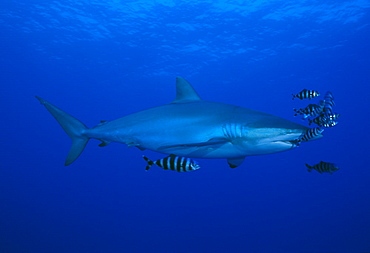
(100, 60)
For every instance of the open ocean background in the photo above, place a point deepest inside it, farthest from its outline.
(101, 60)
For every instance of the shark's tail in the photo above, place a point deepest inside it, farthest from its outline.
(72, 126)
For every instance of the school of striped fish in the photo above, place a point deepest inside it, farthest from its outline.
(322, 115)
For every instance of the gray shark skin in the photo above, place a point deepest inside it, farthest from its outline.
(189, 127)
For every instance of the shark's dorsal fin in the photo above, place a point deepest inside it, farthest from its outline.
(185, 92)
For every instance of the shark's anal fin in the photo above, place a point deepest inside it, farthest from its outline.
(216, 141)
(235, 162)
(103, 143)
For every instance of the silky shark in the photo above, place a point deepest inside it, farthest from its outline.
(189, 127)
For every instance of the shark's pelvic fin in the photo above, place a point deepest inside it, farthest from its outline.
(185, 92)
(72, 126)
(235, 162)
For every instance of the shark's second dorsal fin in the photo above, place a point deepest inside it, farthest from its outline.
(185, 92)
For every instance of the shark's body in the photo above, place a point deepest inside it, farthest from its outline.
(189, 127)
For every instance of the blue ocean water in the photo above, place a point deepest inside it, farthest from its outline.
(101, 60)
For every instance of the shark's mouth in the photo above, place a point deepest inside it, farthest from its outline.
(275, 134)
(290, 144)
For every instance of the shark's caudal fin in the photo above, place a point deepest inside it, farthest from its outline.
(72, 126)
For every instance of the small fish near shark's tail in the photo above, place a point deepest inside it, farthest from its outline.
(150, 162)
(72, 126)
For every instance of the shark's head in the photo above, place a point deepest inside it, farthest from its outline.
(259, 141)
(264, 134)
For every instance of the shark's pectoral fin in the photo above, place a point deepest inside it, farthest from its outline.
(211, 142)
(235, 162)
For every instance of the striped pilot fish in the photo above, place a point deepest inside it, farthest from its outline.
(310, 134)
(312, 110)
(325, 120)
(323, 167)
(173, 162)
(306, 94)
(329, 103)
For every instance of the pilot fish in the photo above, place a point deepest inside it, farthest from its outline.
(323, 167)
(312, 110)
(329, 103)
(306, 94)
(173, 162)
(325, 120)
(311, 134)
